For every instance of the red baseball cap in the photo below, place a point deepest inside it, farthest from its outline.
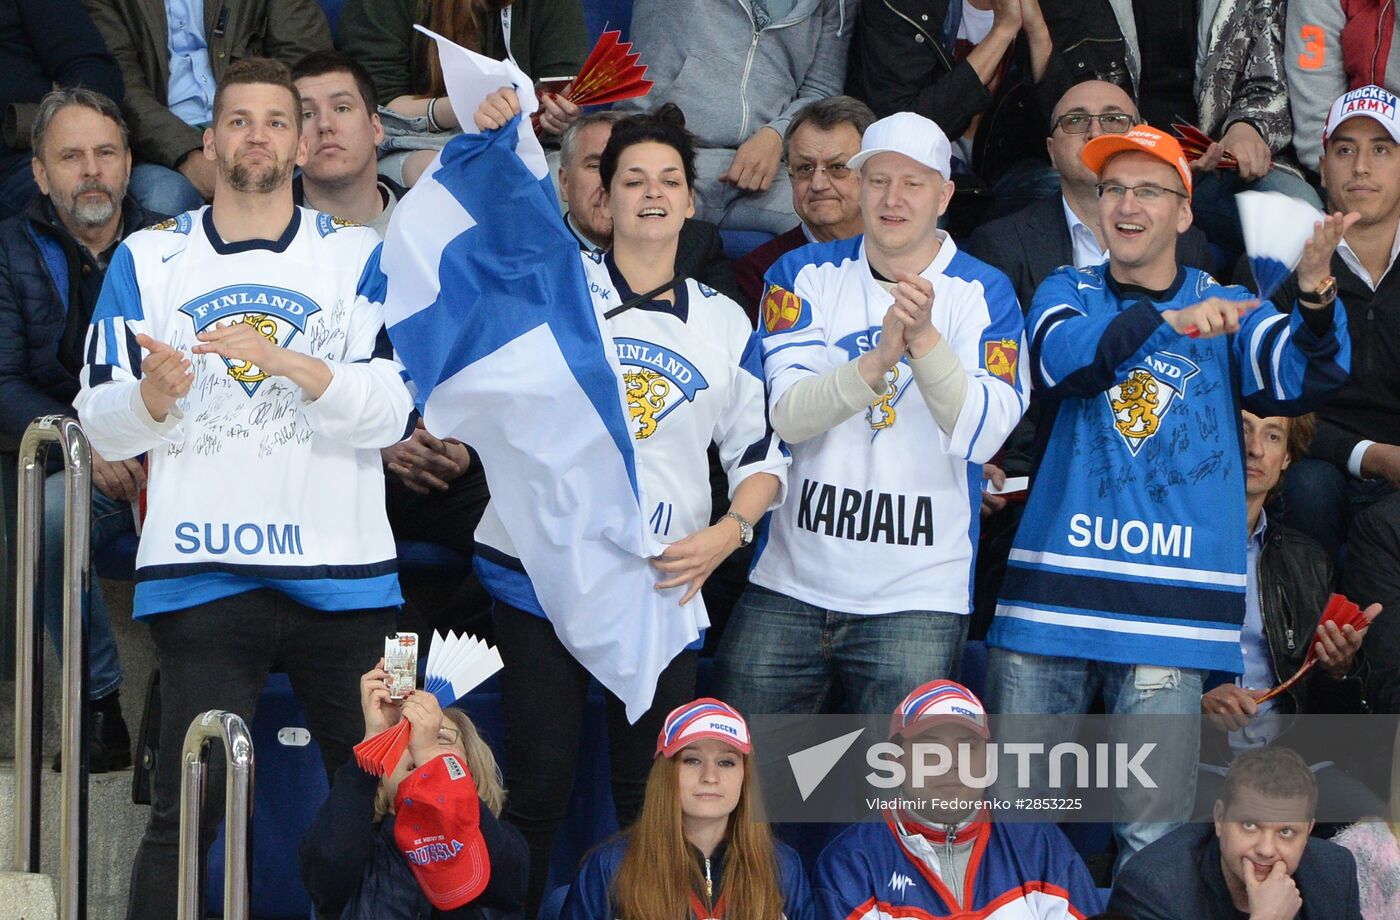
(1142, 139)
(703, 718)
(437, 826)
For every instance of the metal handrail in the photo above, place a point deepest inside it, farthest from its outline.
(77, 515)
(238, 813)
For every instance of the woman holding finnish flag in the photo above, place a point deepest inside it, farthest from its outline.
(700, 847)
(691, 375)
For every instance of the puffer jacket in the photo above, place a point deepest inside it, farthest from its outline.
(731, 77)
(1240, 73)
(39, 267)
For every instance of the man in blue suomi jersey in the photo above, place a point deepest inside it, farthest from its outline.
(1127, 576)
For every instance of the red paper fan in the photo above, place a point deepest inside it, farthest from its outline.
(1194, 142)
(1340, 611)
(611, 73)
(379, 755)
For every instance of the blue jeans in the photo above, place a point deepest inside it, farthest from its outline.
(780, 655)
(162, 190)
(1018, 683)
(1320, 499)
(1213, 204)
(110, 519)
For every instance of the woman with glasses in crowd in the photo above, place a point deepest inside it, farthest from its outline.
(423, 841)
(692, 376)
(700, 847)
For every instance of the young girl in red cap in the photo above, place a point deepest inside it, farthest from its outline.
(700, 848)
(424, 841)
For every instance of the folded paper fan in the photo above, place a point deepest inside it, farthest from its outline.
(1339, 610)
(1194, 143)
(1275, 227)
(456, 666)
(611, 73)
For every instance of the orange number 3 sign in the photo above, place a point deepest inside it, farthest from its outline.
(1314, 53)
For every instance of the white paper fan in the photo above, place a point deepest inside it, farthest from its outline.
(457, 665)
(1275, 228)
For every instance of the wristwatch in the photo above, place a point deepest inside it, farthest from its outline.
(1326, 293)
(745, 528)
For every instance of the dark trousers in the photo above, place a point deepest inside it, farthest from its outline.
(1322, 500)
(217, 656)
(543, 694)
(1372, 575)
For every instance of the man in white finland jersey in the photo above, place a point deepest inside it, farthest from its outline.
(241, 347)
(892, 368)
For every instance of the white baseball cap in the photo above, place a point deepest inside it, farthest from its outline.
(1369, 101)
(915, 136)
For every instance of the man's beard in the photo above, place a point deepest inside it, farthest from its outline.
(258, 180)
(88, 213)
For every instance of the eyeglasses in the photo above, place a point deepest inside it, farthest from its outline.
(447, 737)
(1109, 122)
(806, 172)
(1140, 192)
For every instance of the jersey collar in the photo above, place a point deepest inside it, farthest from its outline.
(680, 309)
(278, 245)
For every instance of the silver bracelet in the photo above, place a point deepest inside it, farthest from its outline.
(432, 121)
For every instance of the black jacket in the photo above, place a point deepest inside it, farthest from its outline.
(1033, 242)
(1179, 878)
(902, 61)
(1367, 407)
(40, 266)
(353, 869)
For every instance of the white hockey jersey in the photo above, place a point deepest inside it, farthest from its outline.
(884, 509)
(691, 375)
(250, 485)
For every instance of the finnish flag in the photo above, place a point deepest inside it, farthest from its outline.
(487, 306)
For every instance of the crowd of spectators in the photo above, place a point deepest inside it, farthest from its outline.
(831, 202)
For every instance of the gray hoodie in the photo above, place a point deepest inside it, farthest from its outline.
(731, 78)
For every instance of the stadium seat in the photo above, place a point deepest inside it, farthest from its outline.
(607, 14)
(739, 243)
(332, 10)
(553, 904)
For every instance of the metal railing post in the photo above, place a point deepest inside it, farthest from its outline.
(77, 515)
(238, 813)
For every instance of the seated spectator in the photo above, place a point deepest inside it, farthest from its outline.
(817, 146)
(647, 169)
(45, 45)
(1242, 99)
(53, 259)
(700, 252)
(172, 56)
(1065, 229)
(1375, 845)
(1329, 47)
(700, 847)
(1354, 461)
(360, 859)
(1257, 860)
(773, 57)
(343, 132)
(437, 490)
(955, 860)
(1288, 583)
(546, 38)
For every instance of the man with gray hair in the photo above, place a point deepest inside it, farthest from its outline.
(818, 143)
(53, 259)
(700, 253)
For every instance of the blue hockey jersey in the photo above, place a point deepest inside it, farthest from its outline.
(1016, 872)
(1132, 547)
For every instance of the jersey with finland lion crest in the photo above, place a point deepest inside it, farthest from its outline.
(690, 375)
(884, 509)
(250, 485)
(1132, 546)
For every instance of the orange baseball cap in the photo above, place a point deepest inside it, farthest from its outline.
(1142, 139)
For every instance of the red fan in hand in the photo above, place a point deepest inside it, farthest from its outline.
(1340, 611)
(1194, 142)
(610, 74)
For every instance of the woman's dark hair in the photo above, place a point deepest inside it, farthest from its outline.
(664, 126)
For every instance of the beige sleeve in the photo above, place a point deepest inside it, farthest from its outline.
(942, 382)
(818, 404)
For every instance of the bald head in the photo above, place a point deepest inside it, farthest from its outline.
(1092, 97)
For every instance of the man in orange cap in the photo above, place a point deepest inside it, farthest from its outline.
(1127, 576)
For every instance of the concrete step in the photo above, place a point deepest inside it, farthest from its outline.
(28, 896)
(114, 829)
